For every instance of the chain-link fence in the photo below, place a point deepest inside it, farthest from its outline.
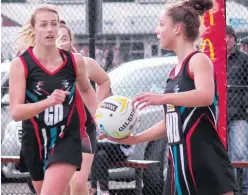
(237, 83)
(118, 32)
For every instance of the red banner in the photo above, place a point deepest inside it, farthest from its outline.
(214, 45)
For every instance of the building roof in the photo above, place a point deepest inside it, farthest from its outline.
(118, 18)
(7, 22)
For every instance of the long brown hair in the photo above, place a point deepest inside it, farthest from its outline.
(188, 12)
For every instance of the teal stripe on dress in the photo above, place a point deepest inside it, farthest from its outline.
(178, 187)
(32, 96)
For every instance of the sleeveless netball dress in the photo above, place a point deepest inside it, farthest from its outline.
(87, 127)
(54, 134)
(198, 162)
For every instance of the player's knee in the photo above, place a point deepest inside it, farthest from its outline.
(51, 192)
(79, 186)
(46, 193)
(37, 186)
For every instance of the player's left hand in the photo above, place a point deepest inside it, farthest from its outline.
(143, 100)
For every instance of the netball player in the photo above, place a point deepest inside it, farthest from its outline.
(198, 161)
(78, 184)
(42, 94)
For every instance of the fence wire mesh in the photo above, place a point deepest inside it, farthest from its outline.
(237, 83)
(124, 33)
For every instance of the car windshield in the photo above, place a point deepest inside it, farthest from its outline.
(147, 75)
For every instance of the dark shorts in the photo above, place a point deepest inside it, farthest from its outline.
(89, 136)
(66, 150)
(89, 139)
(208, 172)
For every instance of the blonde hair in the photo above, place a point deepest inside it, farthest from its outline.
(63, 24)
(25, 36)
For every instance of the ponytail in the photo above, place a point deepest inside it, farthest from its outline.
(25, 38)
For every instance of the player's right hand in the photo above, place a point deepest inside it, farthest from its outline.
(130, 140)
(57, 97)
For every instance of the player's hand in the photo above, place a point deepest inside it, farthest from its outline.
(62, 44)
(101, 136)
(143, 100)
(57, 97)
(130, 140)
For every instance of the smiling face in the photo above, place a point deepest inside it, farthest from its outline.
(45, 27)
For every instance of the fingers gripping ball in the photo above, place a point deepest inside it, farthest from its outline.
(116, 117)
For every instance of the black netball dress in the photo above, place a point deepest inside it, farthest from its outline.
(87, 127)
(54, 134)
(198, 161)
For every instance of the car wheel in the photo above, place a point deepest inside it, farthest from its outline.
(30, 185)
(153, 177)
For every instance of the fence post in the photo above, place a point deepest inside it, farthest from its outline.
(94, 14)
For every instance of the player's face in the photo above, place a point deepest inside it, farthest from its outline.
(230, 42)
(165, 31)
(46, 28)
(244, 48)
(64, 41)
